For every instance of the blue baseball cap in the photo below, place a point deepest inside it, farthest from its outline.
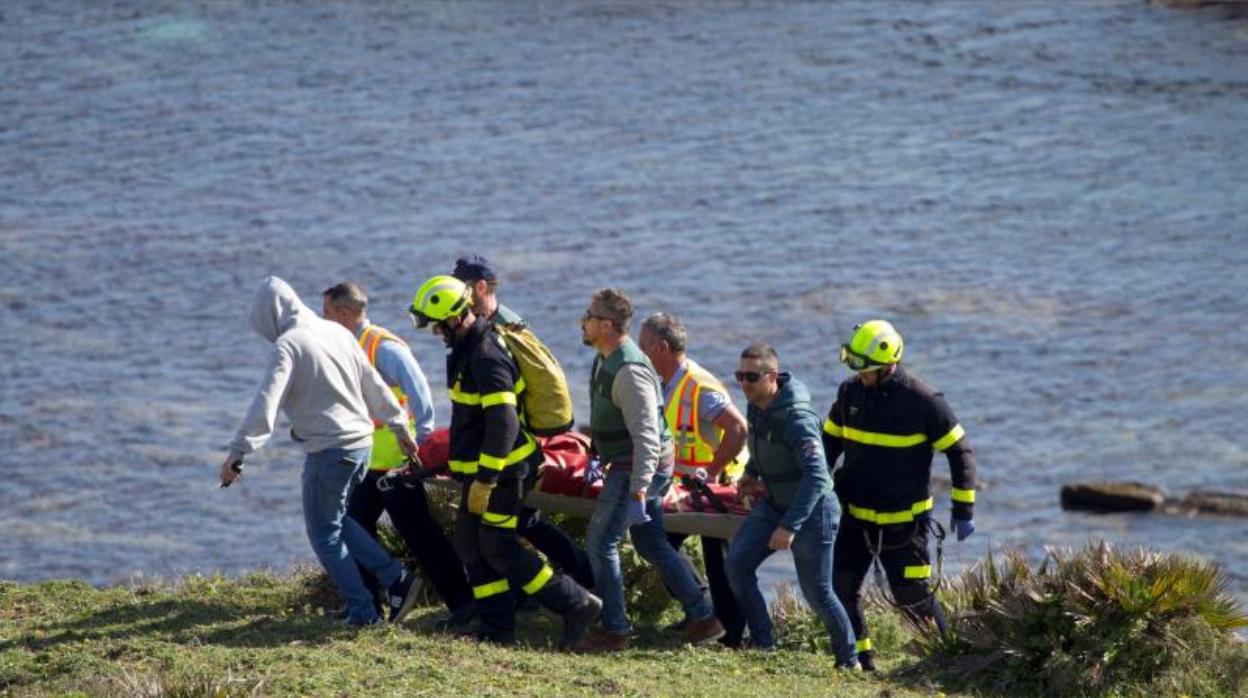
(474, 268)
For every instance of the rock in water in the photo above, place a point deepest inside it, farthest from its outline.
(1209, 502)
(1111, 496)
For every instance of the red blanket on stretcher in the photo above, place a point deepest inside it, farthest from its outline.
(563, 473)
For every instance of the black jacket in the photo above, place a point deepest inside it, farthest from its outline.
(487, 435)
(888, 434)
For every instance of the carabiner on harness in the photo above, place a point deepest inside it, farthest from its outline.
(407, 476)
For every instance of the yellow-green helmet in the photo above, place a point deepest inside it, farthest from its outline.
(440, 298)
(874, 345)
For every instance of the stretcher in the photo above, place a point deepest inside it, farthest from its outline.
(704, 523)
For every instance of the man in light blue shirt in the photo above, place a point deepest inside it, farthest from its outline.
(405, 501)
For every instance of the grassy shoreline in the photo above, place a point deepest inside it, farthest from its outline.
(1089, 622)
(269, 634)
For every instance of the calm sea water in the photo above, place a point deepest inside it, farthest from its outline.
(1048, 198)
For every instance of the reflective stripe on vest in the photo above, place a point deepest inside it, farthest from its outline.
(517, 454)
(873, 438)
(507, 397)
(884, 518)
(693, 450)
(386, 453)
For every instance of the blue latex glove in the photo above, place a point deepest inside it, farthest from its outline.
(637, 512)
(593, 471)
(963, 527)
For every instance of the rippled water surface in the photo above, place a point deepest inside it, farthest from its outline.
(1047, 198)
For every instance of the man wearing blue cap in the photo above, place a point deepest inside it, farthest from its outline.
(477, 272)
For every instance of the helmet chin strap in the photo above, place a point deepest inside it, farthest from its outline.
(449, 331)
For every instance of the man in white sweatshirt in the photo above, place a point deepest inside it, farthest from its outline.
(321, 379)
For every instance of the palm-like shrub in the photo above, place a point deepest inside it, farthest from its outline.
(1087, 621)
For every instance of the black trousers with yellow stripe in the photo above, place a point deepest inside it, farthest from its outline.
(497, 562)
(903, 554)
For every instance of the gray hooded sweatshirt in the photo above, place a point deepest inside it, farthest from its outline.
(317, 375)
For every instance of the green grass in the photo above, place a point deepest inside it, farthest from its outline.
(268, 634)
(1091, 622)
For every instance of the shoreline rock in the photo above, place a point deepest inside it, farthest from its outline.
(1109, 497)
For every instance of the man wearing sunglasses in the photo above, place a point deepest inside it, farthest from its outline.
(632, 440)
(888, 423)
(496, 458)
(406, 504)
(795, 508)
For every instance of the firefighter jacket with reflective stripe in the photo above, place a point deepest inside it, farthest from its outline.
(487, 434)
(612, 440)
(386, 453)
(785, 452)
(888, 434)
(696, 441)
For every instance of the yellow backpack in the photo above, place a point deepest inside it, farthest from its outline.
(546, 400)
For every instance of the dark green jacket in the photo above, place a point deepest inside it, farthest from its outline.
(786, 452)
(612, 439)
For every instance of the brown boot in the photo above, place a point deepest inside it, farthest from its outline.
(697, 632)
(599, 640)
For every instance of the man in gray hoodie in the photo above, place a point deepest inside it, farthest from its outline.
(321, 379)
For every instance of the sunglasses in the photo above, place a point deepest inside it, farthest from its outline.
(856, 361)
(590, 315)
(751, 376)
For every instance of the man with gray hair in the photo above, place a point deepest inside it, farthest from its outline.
(709, 434)
(635, 447)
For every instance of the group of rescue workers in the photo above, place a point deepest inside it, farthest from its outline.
(360, 405)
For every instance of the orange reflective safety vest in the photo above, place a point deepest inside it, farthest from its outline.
(386, 453)
(695, 448)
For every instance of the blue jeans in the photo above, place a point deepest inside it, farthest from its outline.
(338, 541)
(602, 542)
(812, 556)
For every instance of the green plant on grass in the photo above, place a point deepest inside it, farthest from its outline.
(798, 628)
(1087, 621)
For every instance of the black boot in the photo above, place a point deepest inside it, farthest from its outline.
(578, 607)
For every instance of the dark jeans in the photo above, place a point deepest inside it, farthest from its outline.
(726, 607)
(340, 543)
(409, 512)
(812, 558)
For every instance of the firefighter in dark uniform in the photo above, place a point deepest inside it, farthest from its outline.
(496, 457)
(888, 423)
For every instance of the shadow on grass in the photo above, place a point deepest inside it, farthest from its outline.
(539, 630)
(187, 622)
